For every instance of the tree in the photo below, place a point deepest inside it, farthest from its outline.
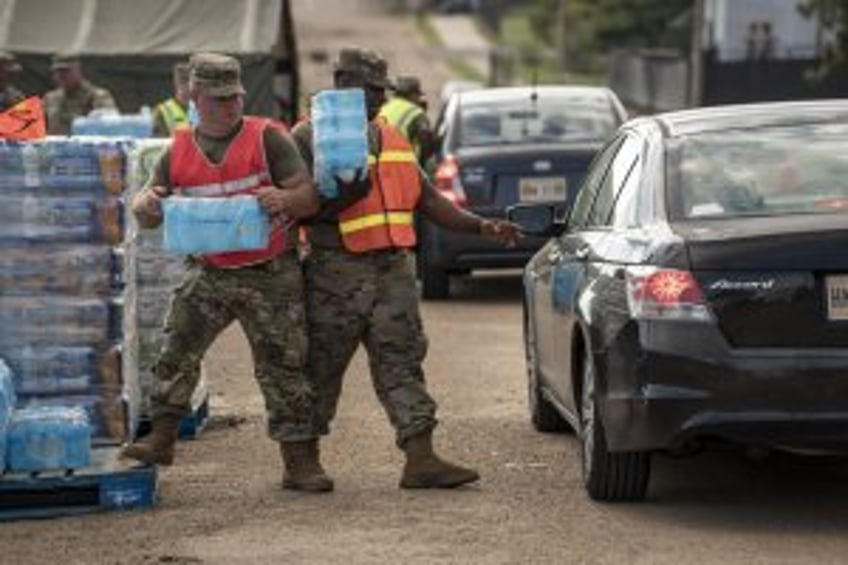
(833, 19)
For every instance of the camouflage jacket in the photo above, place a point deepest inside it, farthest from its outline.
(61, 107)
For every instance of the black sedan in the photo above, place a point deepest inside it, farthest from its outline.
(696, 291)
(500, 146)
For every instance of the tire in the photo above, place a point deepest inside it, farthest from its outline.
(543, 415)
(607, 476)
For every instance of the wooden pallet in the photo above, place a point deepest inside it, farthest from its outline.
(105, 485)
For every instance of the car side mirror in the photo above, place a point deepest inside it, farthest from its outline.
(537, 219)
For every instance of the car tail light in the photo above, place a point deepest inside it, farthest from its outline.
(665, 294)
(448, 182)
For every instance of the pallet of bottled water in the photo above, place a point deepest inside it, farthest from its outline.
(61, 307)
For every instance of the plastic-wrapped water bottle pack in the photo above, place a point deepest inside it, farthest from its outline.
(340, 137)
(110, 123)
(48, 438)
(213, 225)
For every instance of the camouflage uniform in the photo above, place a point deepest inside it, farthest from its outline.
(266, 299)
(369, 298)
(61, 106)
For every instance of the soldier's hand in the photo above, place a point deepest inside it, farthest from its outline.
(276, 201)
(359, 185)
(147, 206)
(504, 232)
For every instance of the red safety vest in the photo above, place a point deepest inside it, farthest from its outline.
(384, 218)
(242, 171)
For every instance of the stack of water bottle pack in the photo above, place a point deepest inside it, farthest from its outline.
(110, 123)
(151, 275)
(61, 218)
(340, 137)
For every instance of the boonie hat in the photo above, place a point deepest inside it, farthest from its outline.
(215, 74)
(365, 63)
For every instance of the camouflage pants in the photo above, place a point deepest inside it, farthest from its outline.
(267, 300)
(369, 299)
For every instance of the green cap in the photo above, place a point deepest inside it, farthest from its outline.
(215, 74)
(365, 63)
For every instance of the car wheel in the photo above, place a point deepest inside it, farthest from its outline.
(543, 415)
(607, 476)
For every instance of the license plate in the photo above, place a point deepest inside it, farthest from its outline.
(837, 297)
(541, 189)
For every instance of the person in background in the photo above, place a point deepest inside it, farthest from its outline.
(226, 155)
(406, 111)
(74, 95)
(9, 68)
(360, 286)
(173, 112)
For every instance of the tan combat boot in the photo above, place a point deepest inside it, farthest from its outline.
(303, 469)
(157, 447)
(425, 469)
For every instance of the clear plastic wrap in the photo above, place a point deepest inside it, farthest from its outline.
(48, 438)
(198, 225)
(340, 136)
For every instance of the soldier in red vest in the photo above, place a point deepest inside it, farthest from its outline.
(229, 154)
(360, 286)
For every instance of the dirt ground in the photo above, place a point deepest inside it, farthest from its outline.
(222, 503)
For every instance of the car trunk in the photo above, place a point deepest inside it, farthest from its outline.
(776, 281)
(497, 177)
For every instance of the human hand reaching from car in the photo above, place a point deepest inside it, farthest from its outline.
(504, 232)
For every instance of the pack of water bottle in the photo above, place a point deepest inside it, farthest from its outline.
(340, 137)
(7, 406)
(198, 225)
(46, 438)
(57, 320)
(110, 123)
(60, 166)
(79, 270)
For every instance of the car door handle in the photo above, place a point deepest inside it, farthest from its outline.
(582, 253)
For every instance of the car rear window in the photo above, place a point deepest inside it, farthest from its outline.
(548, 119)
(799, 169)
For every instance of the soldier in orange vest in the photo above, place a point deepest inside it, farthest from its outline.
(360, 286)
(227, 155)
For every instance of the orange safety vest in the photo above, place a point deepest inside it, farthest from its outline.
(383, 219)
(243, 171)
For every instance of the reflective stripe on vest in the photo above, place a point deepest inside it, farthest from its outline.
(400, 113)
(174, 114)
(243, 171)
(384, 218)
